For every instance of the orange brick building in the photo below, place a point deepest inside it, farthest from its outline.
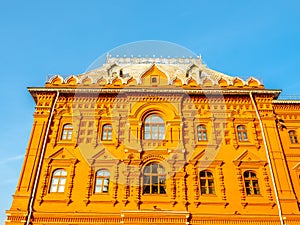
(159, 141)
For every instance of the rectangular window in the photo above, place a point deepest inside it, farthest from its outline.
(154, 79)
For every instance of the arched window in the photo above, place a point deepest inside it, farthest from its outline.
(251, 183)
(107, 132)
(154, 128)
(58, 181)
(102, 181)
(207, 185)
(154, 179)
(67, 132)
(293, 137)
(202, 133)
(242, 133)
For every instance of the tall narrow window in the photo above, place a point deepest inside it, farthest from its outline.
(58, 180)
(154, 179)
(154, 128)
(242, 133)
(293, 137)
(67, 132)
(251, 183)
(102, 181)
(202, 133)
(107, 132)
(207, 185)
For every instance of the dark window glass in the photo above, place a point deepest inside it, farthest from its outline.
(251, 183)
(154, 179)
(207, 185)
(293, 137)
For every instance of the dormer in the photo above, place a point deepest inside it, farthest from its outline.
(154, 76)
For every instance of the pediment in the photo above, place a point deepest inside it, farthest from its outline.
(62, 157)
(62, 154)
(154, 72)
(102, 157)
(248, 157)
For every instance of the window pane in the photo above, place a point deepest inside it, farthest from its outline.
(147, 169)
(211, 190)
(162, 190)
(154, 189)
(62, 180)
(162, 180)
(146, 180)
(61, 189)
(210, 183)
(55, 181)
(147, 128)
(154, 180)
(53, 188)
(154, 168)
(99, 181)
(97, 189)
(146, 189)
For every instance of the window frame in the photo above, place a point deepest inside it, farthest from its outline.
(62, 176)
(105, 181)
(67, 132)
(107, 132)
(207, 185)
(251, 184)
(150, 127)
(242, 133)
(154, 183)
(293, 137)
(201, 133)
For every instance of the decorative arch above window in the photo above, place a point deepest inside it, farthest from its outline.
(154, 179)
(201, 132)
(242, 133)
(58, 181)
(106, 132)
(293, 137)
(154, 127)
(207, 185)
(251, 183)
(102, 181)
(67, 132)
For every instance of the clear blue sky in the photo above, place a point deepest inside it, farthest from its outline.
(243, 38)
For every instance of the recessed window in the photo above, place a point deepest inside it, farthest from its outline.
(102, 181)
(242, 133)
(107, 132)
(58, 180)
(154, 179)
(207, 185)
(293, 137)
(251, 183)
(154, 128)
(67, 132)
(154, 79)
(202, 133)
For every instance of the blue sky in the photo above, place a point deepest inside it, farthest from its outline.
(240, 38)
